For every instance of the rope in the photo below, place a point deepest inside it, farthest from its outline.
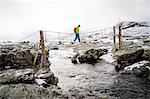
(58, 32)
(67, 34)
(103, 31)
(80, 33)
(99, 30)
(28, 36)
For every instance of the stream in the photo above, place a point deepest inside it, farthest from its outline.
(99, 81)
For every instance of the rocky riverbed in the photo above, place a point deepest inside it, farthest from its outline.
(86, 70)
(20, 79)
(67, 80)
(99, 80)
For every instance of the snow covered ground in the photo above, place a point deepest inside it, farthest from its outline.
(138, 64)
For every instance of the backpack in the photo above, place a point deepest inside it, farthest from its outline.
(75, 30)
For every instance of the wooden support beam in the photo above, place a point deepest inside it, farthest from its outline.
(36, 55)
(114, 38)
(43, 48)
(120, 37)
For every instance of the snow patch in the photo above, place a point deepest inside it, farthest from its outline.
(40, 81)
(106, 40)
(41, 75)
(23, 72)
(138, 64)
(146, 47)
(148, 67)
(18, 74)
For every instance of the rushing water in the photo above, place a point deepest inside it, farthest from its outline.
(99, 81)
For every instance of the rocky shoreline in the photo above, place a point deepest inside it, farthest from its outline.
(134, 59)
(20, 79)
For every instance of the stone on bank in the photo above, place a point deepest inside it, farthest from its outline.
(20, 79)
(90, 56)
(140, 69)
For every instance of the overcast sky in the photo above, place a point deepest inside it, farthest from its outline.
(19, 18)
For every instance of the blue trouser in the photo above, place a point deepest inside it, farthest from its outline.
(77, 37)
(40, 58)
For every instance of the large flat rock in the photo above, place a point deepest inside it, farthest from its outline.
(14, 76)
(28, 91)
(90, 56)
(129, 56)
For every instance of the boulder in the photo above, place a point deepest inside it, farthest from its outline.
(47, 76)
(23, 58)
(14, 76)
(16, 63)
(28, 76)
(90, 56)
(128, 56)
(146, 54)
(28, 91)
(17, 56)
(143, 71)
(140, 69)
(20, 79)
(74, 58)
(19, 59)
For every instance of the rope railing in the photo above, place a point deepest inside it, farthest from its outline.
(134, 35)
(28, 36)
(66, 35)
(58, 32)
(80, 33)
(98, 30)
(62, 35)
(53, 35)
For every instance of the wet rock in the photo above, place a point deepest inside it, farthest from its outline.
(23, 58)
(20, 79)
(128, 56)
(54, 48)
(90, 56)
(14, 76)
(146, 54)
(28, 91)
(143, 71)
(74, 58)
(140, 69)
(47, 76)
(19, 56)
(15, 59)
(138, 65)
(127, 86)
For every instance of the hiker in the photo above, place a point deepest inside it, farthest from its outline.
(76, 31)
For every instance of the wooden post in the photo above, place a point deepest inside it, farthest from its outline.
(43, 48)
(36, 55)
(120, 43)
(114, 38)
